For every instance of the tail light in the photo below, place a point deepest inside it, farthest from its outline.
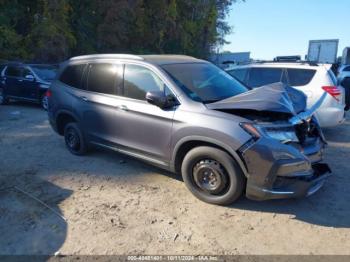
(48, 93)
(334, 91)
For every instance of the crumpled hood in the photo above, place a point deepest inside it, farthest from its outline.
(276, 97)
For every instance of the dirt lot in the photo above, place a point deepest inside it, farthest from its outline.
(117, 205)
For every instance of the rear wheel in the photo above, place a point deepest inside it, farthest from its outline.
(3, 99)
(74, 139)
(45, 101)
(212, 175)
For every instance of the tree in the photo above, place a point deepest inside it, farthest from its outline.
(53, 30)
(51, 38)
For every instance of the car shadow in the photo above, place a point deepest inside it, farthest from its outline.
(339, 133)
(328, 207)
(28, 227)
(320, 209)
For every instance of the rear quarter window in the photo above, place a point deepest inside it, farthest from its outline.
(72, 75)
(300, 77)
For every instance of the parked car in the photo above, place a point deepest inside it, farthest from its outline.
(343, 72)
(310, 78)
(26, 82)
(346, 84)
(190, 117)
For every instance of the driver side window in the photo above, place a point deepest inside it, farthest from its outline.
(139, 80)
(26, 72)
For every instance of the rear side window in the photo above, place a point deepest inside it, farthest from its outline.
(239, 74)
(139, 80)
(300, 77)
(73, 75)
(14, 71)
(103, 78)
(264, 76)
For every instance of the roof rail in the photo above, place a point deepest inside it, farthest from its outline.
(311, 63)
(96, 56)
(292, 58)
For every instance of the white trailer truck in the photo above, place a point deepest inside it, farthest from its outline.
(323, 51)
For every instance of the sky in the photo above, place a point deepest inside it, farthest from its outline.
(268, 28)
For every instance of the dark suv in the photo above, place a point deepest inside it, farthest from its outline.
(26, 82)
(190, 117)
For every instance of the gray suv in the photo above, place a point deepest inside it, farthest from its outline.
(190, 117)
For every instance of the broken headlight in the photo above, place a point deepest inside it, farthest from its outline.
(282, 133)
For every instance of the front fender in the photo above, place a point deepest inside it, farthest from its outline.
(196, 138)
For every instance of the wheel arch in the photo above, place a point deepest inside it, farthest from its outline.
(183, 146)
(64, 117)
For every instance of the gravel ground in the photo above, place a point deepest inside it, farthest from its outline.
(106, 203)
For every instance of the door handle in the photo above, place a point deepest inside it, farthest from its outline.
(20, 80)
(123, 107)
(84, 98)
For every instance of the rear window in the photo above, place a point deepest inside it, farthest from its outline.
(102, 78)
(14, 71)
(300, 77)
(73, 75)
(264, 76)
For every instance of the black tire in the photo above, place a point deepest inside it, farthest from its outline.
(44, 101)
(74, 139)
(3, 99)
(201, 160)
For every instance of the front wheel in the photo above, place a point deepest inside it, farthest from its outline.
(212, 175)
(3, 99)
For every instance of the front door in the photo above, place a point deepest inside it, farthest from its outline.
(28, 87)
(142, 127)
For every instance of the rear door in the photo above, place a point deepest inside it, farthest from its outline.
(12, 80)
(99, 102)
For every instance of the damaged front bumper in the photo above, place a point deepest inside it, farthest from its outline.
(277, 170)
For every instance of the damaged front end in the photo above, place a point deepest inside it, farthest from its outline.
(283, 157)
(284, 166)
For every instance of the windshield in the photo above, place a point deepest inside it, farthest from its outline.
(204, 82)
(45, 72)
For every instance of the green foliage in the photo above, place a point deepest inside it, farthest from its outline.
(53, 30)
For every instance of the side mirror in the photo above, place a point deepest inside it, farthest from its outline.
(29, 77)
(159, 99)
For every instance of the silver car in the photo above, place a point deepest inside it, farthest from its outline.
(192, 118)
(314, 80)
